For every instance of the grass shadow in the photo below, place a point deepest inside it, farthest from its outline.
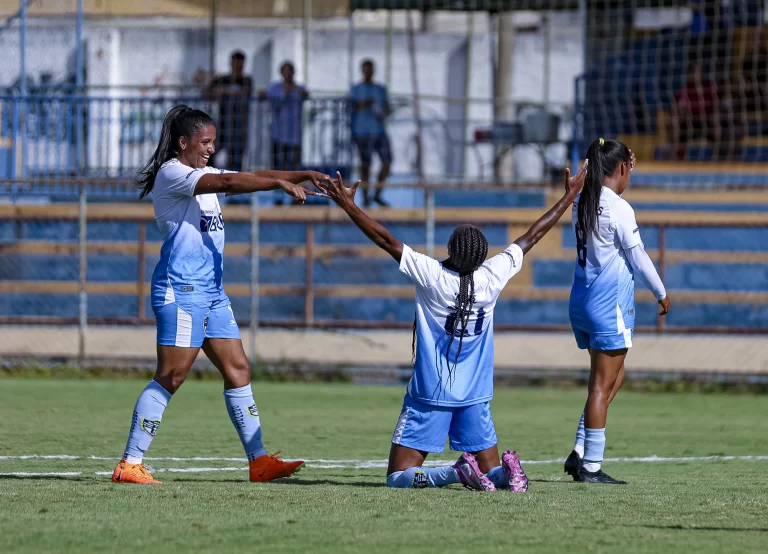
(303, 482)
(679, 527)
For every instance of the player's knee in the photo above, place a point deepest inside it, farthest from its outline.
(239, 372)
(171, 380)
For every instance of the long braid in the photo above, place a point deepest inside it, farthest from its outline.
(467, 249)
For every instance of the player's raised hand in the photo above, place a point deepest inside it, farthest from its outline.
(664, 303)
(336, 191)
(576, 182)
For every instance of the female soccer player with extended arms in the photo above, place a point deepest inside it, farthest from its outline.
(188, 298)
(602, 305)
(452, 384)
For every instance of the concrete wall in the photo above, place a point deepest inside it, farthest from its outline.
(167, 51)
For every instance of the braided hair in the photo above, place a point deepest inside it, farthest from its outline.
(467, 250)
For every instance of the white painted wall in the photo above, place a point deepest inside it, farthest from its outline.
(170, 52)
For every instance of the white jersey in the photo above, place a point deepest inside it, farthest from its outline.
(602, 297)
(191, 258)
(436, 292)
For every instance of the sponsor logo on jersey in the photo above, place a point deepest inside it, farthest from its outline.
(420, 480)
(253, 411)
(187, 288)
(150, 426)
(631, 312)
(190, 173)
(211, 223)
(637, 230)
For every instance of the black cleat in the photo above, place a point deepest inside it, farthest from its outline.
(598, 478)
(573, 465)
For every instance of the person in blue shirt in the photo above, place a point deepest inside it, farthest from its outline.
(369, 105)
(449, 394)
(192, 310)
(286, 99)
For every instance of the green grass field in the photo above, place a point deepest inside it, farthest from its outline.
(670, 506)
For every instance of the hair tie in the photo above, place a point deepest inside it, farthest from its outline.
(601, 141)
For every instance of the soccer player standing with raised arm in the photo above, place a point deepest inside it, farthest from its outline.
(450, 391)
(188, 298)
(602, 307)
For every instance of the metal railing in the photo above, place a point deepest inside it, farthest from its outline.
(311, 239)
(53, 135)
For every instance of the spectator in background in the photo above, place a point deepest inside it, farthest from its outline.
(232, 92)
(369, 105)
(694, 111)
(286, 98)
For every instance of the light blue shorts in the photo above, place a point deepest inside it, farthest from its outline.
(425, 428)
(604, 341)
(190, 325)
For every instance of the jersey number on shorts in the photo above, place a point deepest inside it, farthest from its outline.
(581, 248)
(450, 321)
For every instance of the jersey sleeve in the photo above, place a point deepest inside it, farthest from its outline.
(422, 270)
(625, 225)
(176, 179)
(502, 267)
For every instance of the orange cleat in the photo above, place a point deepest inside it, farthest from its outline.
(268, 468)
(133, 473)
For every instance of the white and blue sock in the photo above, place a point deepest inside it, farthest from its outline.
(147, 415)
(579, 446)
(594, 447)
(423, 477)
(497, 477)
(245, 417)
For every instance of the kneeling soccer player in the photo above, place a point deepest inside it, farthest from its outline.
(452, 384)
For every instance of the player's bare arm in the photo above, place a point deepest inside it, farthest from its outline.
(345, 198)
(295, 177)
(542, 226)
(241, 183)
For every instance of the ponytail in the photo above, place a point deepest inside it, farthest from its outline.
(603, 157)
(180, 121)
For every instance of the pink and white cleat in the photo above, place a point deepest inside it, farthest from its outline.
(470, 474)
(513, 471)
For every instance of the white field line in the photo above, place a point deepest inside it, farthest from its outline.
(42, 474)
(325, 464)
(365, 464)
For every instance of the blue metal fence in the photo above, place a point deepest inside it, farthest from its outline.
(49, 137)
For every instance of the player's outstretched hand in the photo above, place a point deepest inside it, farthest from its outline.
(316, 178)
(297, 192)
(664, 303)
(576, 182)
(336, 191)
